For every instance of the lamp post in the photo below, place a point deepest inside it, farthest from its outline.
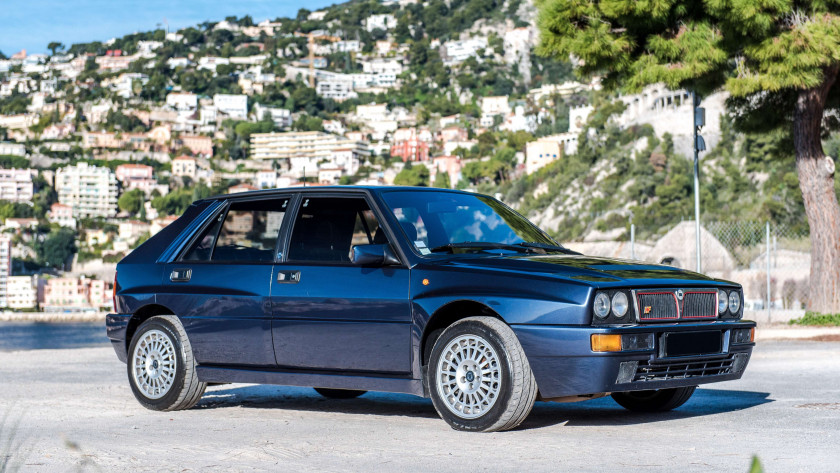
(699, 145)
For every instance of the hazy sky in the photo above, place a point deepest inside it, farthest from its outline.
(31, 24)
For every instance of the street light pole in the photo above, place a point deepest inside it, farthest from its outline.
(699, 145)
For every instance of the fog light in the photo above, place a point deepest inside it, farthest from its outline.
(743, 335)
(605, 342)
(637, 341)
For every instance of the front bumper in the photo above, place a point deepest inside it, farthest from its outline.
(564, 364)
(116, 326)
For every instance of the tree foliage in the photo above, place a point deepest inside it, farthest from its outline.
(56, 248)
(413, 176)
(132, 201)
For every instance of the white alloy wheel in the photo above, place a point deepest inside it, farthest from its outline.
(468, 376)
(154, 364)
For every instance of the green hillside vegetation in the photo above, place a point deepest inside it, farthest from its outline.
(606, 183)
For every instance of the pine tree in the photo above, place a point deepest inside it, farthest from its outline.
(779, 60)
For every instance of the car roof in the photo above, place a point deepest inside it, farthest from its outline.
(308, 189)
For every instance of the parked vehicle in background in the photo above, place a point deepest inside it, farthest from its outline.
(442, 294)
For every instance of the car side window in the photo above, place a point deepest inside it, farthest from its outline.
(203, 246)
(326, 229)
(246, 233)
(250, 230)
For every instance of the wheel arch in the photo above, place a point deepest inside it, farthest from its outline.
(141, 315)
(447, 315)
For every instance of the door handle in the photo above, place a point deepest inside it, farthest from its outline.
(180, 275)
(288, 277)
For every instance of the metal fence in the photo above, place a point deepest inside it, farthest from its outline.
(771, 261)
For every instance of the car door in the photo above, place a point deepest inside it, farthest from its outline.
(220, 286)
(330, 314)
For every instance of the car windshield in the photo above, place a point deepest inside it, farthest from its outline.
(436, 221)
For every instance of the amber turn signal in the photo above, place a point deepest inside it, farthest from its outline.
(752, 335)
(605, 342)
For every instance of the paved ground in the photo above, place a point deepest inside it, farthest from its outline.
(71, 410)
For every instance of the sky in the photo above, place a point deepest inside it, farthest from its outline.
(32, 24)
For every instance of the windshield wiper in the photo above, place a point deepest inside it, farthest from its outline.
(478, 245)
(546, 246)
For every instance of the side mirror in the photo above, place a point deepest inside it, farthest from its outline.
(374, 255)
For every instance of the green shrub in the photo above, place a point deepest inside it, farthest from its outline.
(817, 319)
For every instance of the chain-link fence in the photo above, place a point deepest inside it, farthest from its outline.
(771, 261)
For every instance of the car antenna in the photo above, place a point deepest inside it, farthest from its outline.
(304, 176)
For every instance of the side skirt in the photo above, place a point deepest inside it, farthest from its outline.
(216, 374)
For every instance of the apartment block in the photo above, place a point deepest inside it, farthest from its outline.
(309, 151)
(5, 268)
(22, 292)
(90, 191)
(62, 214)
(16, 185)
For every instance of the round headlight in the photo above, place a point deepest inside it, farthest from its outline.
(619, 304)
(602, 305)
(722, 302)
(734, 302)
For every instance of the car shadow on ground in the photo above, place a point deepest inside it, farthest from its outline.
(605, 411)
(598, 412)
(306, 399)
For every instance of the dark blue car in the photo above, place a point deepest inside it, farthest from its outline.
(442, 294)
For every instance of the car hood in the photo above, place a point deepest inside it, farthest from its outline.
(596, 271)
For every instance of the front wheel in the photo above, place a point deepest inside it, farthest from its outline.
(479, 378)
(658, 400)
(161, 368)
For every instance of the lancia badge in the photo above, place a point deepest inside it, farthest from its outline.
(680, 294)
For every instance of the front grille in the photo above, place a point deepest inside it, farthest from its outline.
(682, 370)
(700, 304)
(657, 306)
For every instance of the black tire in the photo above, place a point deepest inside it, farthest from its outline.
(339, 393)
(184, 390)
(517, 388)
(658, 400)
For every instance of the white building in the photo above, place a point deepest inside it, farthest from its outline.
(454, 52)
(12, 149)
(280, 116)
(578, 116)
(235, 106)
(495, 105)
(62, 215)
(383, 22)
(90, 190)
(5, 267)
(210, 62)
(16, 185)
(541, 152)
(383, 66)
(309, 151)
(352, 46)
(266, 179)
(371, 112)
(336, 89)
(22, 292)
(182, 100)
(184, 166)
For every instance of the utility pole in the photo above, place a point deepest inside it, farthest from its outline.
(699, 145)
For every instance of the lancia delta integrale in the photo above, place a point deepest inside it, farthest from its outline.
(442, 294)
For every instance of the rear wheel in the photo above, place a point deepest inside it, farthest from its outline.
(658, 400)
(161, 368)
(339, 393)
(479, 378)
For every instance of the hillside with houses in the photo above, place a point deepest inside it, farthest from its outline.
(102, 144)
